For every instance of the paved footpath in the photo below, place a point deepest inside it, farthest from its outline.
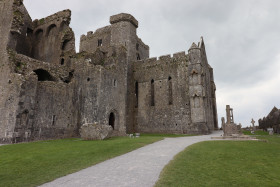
(140, 167)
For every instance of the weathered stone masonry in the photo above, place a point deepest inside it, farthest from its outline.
(48, 90)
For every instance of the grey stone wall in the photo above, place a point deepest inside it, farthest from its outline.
(102, 89)
(21, 29)
(166, 109)
(9, 82)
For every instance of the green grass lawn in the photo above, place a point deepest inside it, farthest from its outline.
(32, 164)
(225, 163)
(256, 132)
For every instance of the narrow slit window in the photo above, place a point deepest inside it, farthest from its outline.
(53, 120)
(170, 97)
(152, 92)
(136, 94)
(62, 61)
(114, 82)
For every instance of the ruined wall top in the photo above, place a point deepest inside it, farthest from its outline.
(65, 15)
(124, 17)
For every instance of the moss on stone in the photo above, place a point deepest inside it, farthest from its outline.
(42, 21)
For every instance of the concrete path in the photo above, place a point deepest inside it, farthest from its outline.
(141, 167)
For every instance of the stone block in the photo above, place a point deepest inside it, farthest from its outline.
(95, 131)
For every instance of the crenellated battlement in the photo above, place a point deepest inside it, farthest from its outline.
(100, 31)
(180, 56)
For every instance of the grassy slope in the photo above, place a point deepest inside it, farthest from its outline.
(31, 164)
(225, 163)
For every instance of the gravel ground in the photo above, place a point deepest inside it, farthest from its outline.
(141, 167)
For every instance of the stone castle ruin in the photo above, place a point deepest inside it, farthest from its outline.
(49, 91)
(272, 120)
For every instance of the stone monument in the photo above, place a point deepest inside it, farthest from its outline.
(253, 124)
(230, 128)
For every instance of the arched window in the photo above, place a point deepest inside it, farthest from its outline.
(136, 94)
(51, 30)
(36, 52)
(152, 92)
(170, 97)
(38, 34)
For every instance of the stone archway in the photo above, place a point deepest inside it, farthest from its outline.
(112, 119)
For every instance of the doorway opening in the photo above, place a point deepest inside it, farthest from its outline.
(112, 120)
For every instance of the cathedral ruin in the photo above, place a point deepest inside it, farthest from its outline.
(49, 91)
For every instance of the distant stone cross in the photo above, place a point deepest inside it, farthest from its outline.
(253, 122)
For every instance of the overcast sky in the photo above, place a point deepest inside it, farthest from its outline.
(241, 37)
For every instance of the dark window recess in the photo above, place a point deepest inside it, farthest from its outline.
(43, 75)
(64, 44)
(39, 34)
(152, 93)
(170, 98)
(88, 79)
(137, 46)
(99, 42)
(62, 61)
(136, 94)
(69, 78)
(138, 56)
(53, 120)
(29, 32)
(114, 82)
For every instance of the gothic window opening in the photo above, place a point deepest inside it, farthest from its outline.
(24, 118)
(136, 94)
(170, 97)
(99, 43)
(112, 120)
(152, 92)
(51, 30)
(39, 34)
